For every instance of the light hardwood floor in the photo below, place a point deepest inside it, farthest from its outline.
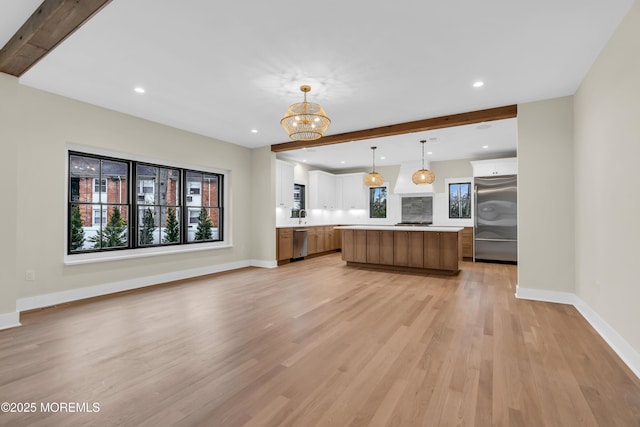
(318, 343)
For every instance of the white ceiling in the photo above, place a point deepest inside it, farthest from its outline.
(223, 69)
(460, 142)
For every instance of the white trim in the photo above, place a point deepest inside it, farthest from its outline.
(618, 344)
(546, 296)
(263, 263)
(9, 320)
(48, 300)
(89, 258)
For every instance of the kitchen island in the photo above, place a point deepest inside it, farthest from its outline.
(415, 249)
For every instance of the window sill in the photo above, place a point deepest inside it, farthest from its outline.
(78, 259)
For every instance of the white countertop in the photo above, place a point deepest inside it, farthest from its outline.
(398, 227)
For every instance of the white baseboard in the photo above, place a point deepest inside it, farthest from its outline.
(546, 296)
(264, 264)
(617, 343)
(9, 320)
(48, 300)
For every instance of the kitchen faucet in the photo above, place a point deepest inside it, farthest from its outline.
(300, 215)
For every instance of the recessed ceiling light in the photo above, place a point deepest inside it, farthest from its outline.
(382, 158)
(254, 130)
(342, 162)
(478, 84)
(485, 146)
(429, 152)
(139, 89)
(304, 161)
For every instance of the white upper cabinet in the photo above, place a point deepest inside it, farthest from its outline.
(322, 189)
(495, 167)
(344, 191)
(354, 192)
(339, 192)
(284, 184)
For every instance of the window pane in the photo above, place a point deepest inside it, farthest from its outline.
(203, 224)
(209, 190)
(82, 173)
(114, 175)
(170, 225)
(298, 201)
(378, 202)
(148, 230)
(465, 200)
(460, 200)
(79, 229)
(169, 188)
(194, 181)
(114, 233)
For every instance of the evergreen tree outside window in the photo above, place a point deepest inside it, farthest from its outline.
(204, 232)
(77, 233)
(114, 234)
(172, 228)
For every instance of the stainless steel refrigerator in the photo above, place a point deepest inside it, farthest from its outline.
(496, 218)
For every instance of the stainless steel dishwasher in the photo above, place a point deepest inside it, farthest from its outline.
(299, 243)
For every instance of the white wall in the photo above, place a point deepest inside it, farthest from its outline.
(262, 217)
(545, 195)
(36, 128)
(8, 229)
(607, 176)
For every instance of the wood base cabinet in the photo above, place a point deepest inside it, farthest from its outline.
(380, 247)
(284, 239)
(320, 239)
(418, 251)
(408, 249)
(354, 246)
(441, 250)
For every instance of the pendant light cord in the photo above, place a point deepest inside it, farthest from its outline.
(373, 156)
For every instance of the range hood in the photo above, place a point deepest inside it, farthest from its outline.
(404, 184)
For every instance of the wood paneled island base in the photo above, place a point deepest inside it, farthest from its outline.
(426, 250)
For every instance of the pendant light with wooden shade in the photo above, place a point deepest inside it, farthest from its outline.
(423, 176)
(373, 178)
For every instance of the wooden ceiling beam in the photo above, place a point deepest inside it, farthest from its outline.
(499, 113)
(48, 26)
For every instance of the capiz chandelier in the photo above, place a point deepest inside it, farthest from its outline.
(423, 176)
(305, 121)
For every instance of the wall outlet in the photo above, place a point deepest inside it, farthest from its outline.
(30, 275)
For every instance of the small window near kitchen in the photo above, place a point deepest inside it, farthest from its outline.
(298, 201)
(378, 202)
(460, 200)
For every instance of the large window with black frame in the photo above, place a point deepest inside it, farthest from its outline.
(203, 194)
(124, 204)
(98, 203)
(460, 200)
(158, 203)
